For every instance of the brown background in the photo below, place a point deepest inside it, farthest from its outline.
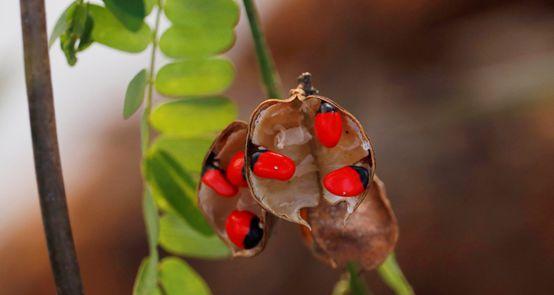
(458, 97)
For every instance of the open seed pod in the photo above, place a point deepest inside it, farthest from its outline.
(224, 198)
(367, 238)
(306, 150)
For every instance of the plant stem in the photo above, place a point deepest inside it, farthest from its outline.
(145, 126)
(392, 275)
(53, 203)
(270, 76)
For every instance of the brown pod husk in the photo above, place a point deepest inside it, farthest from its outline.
(287, 127)
(216, 208)
(367, 238)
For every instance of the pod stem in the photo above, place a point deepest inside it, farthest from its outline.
(305, 83)
(269, 74)
(53, 203)
(392, 275)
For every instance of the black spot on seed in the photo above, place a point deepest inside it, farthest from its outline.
(326, 107)
(211, 163)
(363, 173)
(255, 156)
(255, 234)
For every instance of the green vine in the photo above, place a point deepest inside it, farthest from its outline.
(268, 72)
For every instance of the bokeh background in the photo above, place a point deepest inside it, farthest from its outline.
(458, 97)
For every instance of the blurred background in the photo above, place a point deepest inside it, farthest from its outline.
(458, 97)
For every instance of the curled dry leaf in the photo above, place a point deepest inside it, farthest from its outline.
(331, 154)
(367, 238)
(227, 205)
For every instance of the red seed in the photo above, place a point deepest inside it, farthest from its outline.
(268, 164)
(234, 171)
(347, 181)
(328, 125)
(243, 229)
(214, 178)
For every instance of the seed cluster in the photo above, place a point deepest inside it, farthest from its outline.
(306, 160)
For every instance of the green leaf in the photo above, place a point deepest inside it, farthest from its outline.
(195, 77)
(174, 186)
(181, 173)
(76, 35)
(86, 37)
(147, 277)
(151, 219)
(178, 278)
(213, 13)
(149, 5)
(188, 152)
(110, 32)
(130, 13)
(61, 24)
(178, 237)
(194, 116)
(195, 41)
(135, 93)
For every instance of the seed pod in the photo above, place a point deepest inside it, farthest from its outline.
(320, 137)
(367, 238)
(238, 220)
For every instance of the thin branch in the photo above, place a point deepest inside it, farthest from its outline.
(392, 275)
(145, 126)
(55, 217)
(270, 76)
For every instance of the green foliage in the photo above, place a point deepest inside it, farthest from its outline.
(172, 163)
(109, 31)
(76, 34)
(209, 14)
(195, 77)
(188, 152)
(170, 181)
(178, 278)
(149, 5)
(135, 93)
(191, 117)
(61, 24)
(130, 13)
(178, 237)
(151, 219)
(147, 277)
(196, 41)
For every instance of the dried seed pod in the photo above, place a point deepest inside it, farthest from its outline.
(367, 238)
(320, 137)
(236, 218)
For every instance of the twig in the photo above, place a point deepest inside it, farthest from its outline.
(305, 83)
(145, 126)
(270, 76)
(55, 218)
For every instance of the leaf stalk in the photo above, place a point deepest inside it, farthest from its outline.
(270, 76)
